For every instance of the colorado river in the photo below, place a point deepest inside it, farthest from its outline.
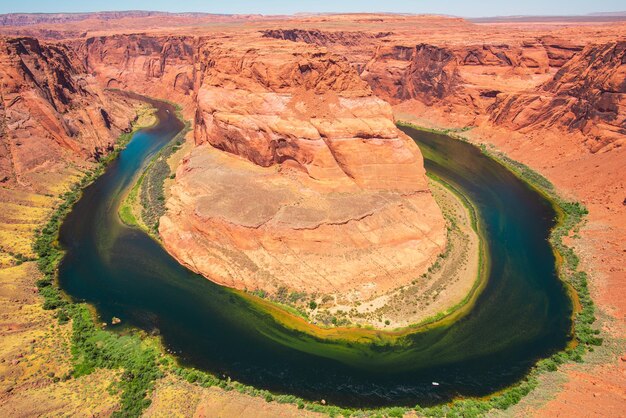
(522, 315)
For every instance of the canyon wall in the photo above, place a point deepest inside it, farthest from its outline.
(51, 110)
(424, 72)
(528, 84)
(453, 77)
(588, 94)
(156, 66)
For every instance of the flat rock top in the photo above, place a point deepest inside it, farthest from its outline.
(245, 194)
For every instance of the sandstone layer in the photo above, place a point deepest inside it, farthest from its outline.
(300, 178)
(51, 110)
(587, 94)
(156, 66)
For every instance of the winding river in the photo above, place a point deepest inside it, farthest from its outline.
(523, 313)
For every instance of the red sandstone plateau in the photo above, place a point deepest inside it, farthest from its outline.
(314, 188)
(297, 176)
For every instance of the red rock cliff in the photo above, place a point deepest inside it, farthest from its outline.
(588, 94)
(317, 191)
(51, 109)
(157, 66)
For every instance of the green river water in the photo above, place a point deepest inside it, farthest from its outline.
(522, 315)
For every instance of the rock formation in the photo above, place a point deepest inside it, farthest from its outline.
(460, 77)
(51, 109)
(424, 71)
(157, 66)
(318, 37)
(300, 178)
(587, 94)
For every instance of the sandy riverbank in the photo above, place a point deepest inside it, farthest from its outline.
(444, 288)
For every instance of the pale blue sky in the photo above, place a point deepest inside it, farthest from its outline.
(452, 7)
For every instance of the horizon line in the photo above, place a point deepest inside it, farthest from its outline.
(593, 14)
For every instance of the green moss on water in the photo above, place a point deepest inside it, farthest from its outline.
(126, 212)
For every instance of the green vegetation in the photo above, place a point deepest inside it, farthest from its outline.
(18, 258)
(448, 132)
(46, 246)
(92, 347)
(149, 188)
(206, 380)
(95, 348)
(524, 172)
(126, 207)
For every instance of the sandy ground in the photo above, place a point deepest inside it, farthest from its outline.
(439, 291)
(176, 398)
(34, 348)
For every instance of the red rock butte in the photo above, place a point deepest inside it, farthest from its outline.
(299, 178)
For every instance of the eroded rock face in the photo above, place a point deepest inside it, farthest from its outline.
(399, 73)
(543, 83)
(51, 109)
(322, 38)
(399, 70)
(157, 66)
(587, 94)
(463, 78)
(316, 191)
